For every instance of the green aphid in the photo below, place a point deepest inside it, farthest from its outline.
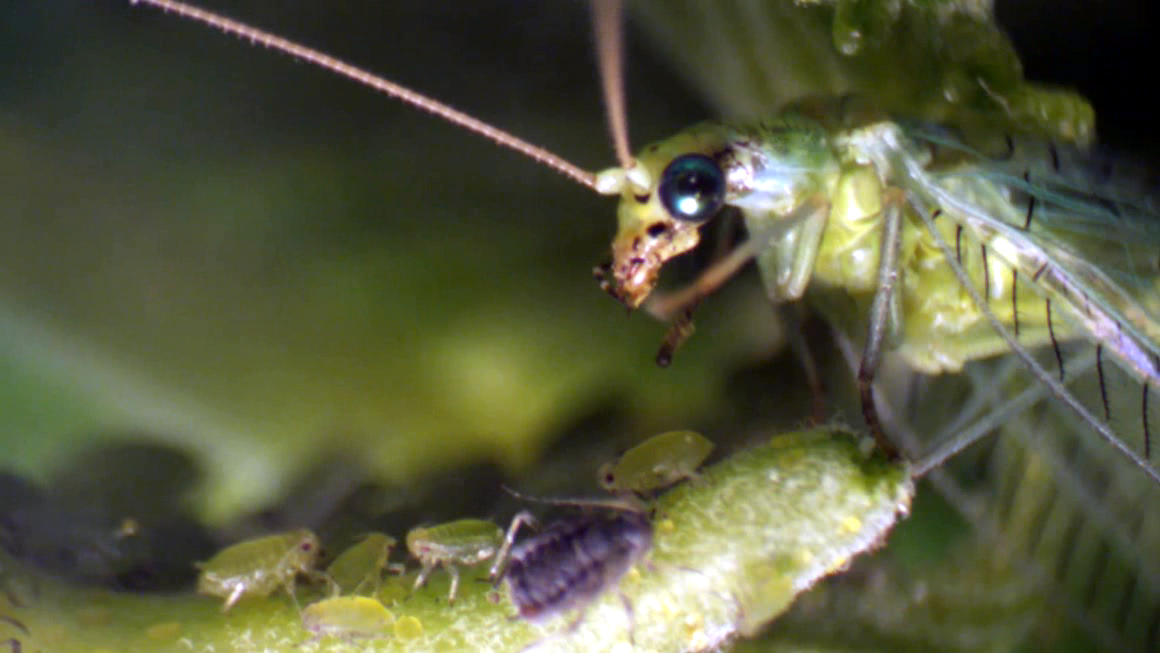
(461, 542)
(363, 563)
(656, 463)
(259, 566)
(348, 617)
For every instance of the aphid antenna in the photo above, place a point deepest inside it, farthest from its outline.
(607, 12)
(625, 504)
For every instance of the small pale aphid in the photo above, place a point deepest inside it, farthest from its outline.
(259, 566)
(461, 542)
(363, 563)
(574, 561)
(656, 463)
(348, 617)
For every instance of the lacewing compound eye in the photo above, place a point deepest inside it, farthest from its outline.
(692, 188)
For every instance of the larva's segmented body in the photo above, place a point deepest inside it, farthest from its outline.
(573, 561)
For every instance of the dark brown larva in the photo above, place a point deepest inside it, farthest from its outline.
(573, 561)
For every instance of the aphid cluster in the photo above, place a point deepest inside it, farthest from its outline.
(575, 560)
(561, 568)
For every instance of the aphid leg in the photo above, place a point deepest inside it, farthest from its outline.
(332, 585)
(523, 517)
(573, 625)
(693, 477)
(628, 610)
(421, 579)
(454, 572)
(290, 586)
(14, 645)
(358, 588)
(239, 589)
(396, 568)
(884, 314)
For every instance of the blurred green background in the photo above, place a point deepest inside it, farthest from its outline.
(212, 246)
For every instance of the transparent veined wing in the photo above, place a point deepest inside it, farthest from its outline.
(1070, 510)
(1061, 508)
(1095, 217)
(1080, 233)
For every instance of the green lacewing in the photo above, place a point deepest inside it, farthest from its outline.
(941, 245)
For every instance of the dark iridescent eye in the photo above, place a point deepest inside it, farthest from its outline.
(692, 188)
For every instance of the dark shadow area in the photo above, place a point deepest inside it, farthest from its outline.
(115, 515)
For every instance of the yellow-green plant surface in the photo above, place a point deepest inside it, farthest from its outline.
(730, 554)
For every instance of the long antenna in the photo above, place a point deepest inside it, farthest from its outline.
(608, 22)
(417, 100)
